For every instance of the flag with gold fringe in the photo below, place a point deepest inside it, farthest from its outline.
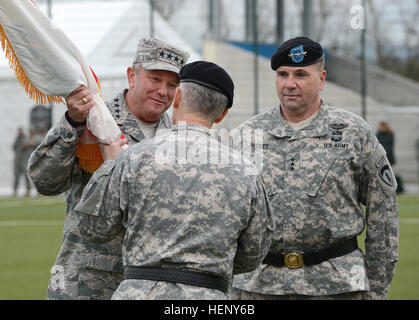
(49, 67)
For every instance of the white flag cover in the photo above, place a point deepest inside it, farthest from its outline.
(48, 64)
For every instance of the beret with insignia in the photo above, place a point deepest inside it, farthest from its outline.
(297, 52)
(209, 75)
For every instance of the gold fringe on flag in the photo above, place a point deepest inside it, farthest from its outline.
(88, 152)
(30, 89)
(89, 155)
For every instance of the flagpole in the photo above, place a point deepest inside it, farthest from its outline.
(256, 54)
(364, 65)
(49, 8)
(152, 18)
(51, 105)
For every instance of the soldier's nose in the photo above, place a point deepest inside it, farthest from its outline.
(290, 83)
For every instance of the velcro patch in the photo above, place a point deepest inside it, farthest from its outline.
(379, 166)
(387, 175)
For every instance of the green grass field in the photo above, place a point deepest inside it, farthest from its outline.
(30, 237)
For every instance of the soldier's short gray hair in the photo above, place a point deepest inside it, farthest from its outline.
(199, 99)
(322, 63)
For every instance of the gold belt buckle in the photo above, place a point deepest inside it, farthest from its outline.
(294, 261)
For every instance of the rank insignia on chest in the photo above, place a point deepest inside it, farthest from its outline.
(337, 131)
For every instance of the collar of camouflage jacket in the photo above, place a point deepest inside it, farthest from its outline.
(192, 127)
(128, 122)
(317, 128)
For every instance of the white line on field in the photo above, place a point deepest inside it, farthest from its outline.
(16, 204)
(45, 223)
(410, 221)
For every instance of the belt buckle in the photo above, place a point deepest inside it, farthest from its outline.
(294, 260)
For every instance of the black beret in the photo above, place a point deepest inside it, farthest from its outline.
(209, 75)
(297, 52)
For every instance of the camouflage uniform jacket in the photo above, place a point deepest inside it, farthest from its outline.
(316, 179)
(82, 270)
(183, 211)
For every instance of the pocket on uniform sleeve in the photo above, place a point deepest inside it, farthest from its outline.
(98, 276)
(92, 196)
(101, 262)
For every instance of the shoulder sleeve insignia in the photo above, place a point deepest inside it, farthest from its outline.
(387, 175)
(380, 169)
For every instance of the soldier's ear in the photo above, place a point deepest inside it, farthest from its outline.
(222, 116)
(323, 74)
(131, 77)
(176, 101)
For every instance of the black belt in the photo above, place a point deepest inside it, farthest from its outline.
(295, 260)
(193, 278)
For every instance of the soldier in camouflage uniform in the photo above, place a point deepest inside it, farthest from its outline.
(92, 271)
(320, 165)
(19, 163)
(188, 221)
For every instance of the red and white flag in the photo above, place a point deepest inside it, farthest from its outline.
(48, 65)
